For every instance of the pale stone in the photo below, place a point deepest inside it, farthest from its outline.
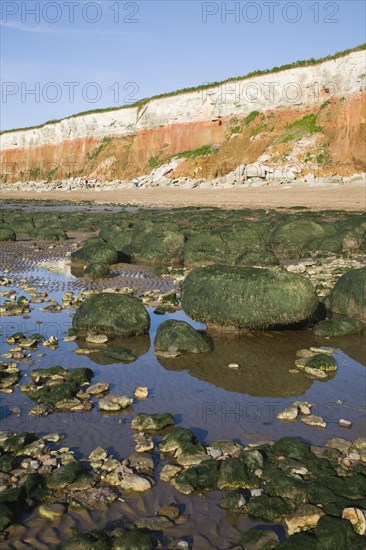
(304, 518)
(313, 420)
(51, 511)
(289, 414)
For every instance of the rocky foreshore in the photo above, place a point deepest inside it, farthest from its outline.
(250, 175)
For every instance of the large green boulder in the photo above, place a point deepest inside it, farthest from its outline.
(97, 271)
(247, 298)
(289, 239)
(95, 250)
(228, 246)
(161, 247)
(112, 314)
(49, 234)
(268, 508)
(7, 234)
(179, 336)
(339, 326)
(348, 296)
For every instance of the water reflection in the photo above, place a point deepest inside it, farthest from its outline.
(264, 359)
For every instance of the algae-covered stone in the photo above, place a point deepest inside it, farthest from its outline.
(337, 534)
(179, 336)
(289, 239)
(184, 446)
(256, 539)
(348, 296)
(154, 422)
(157, 523)
(198, 478)
(322, 361)
(97, 271)
(15, 443)
(268, 508)
(87, 541)
(6, 517)
(330, 328)
(133, 540)
(96, 251)
(234, 474)
(247, 298)
(7, 234)
(112, 314)
(65, 475)
(233, 501)
(161, 247)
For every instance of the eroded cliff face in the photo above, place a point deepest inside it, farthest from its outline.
(312, 117)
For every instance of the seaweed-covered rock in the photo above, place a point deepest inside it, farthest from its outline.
(112, 314)
(247, 298)
(155, 422)
(337, 534)
(6, 517)
(179, 336)
(49, 234)
(268, 508)
(198, 478)
(88, 541)
(348, 296)
(257, 539)
(133, 540)
(289, 239)
(7, 234)
(56, 385)
(15, 443)
(339, 326)
(323, 362)
(66, 475)
(183, 445)
(97, 271)
(161, 247)
(235, 475)
(95, 250)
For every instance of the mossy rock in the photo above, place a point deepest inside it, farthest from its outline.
(96, 251)
(119, 355)
(341, 326)
(348, 296)
(161, 247)
(154, 422)
(53, 394)
(256, 539)
(300, 541)
(292, 448)
(7, 463)
(6, 517)
(337, 534)
(289, 239)
(112, 314)
(65, 475)
(97, 271)
(323, 362)
(34, 489)
(203, 249)
(235, 475)
(133, 540)
(247, 298)
(87, 541)
(49, 234)
(7, 234)
(233, 501)
(179, 336)
(268, 508)
(198, 478)
(261, 257)
(181, 441)
(16, 442)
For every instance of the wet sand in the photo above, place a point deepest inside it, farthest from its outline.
(350, 197)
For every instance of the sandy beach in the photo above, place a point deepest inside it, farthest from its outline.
(350, 197)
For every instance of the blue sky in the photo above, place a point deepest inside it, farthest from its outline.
(80, 55)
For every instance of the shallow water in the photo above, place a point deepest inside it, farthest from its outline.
(199, 390)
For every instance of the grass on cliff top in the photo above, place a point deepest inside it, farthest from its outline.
(142, 102)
